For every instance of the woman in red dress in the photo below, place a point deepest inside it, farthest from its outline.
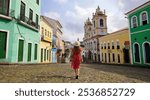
(76, 58)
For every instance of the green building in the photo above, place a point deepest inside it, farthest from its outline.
(19, 31)
(139, 23)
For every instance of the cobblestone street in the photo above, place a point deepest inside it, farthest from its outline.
(62, 73)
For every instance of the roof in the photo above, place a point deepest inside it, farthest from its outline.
(53, 22)
(137, 8)
(43, 18)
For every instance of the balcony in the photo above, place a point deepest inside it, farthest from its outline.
(46, 38)
(28, 23)
(7, 14)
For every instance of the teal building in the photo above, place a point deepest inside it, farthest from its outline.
(19, 31)
(139, 23)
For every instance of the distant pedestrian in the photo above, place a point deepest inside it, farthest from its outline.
(76, 58)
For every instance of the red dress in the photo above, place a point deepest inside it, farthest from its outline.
(76, 59)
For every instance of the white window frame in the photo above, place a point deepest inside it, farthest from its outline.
(134, 53)
(141, 17)
(132, 21)
(144, 52)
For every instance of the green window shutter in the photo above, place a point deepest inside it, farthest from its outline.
(41, 55)
(20, 50)
(3, 44)
(29, 51)
(47, 54)
(44, 54)
(35, 52)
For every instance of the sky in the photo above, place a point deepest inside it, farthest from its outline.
(73, 13)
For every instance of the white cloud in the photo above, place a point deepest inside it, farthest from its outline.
(74, 25)
(80, 13)
(53, 15)
(72, 36)
(116, 21)
(61, 1)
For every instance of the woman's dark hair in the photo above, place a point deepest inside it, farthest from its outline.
(77, 48)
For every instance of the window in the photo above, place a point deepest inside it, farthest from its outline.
(4, 7)
(35, 52)
(104, 45)
(102, 57)
(105, 58)
(134, 22)
(42, 30)
(118, 45)
(136, 53)
(101, 46)
(37, 20)
(101, 23)
(144, 18)
(108, 45)
(118, 58)
(22, 11)
(44, 54)
(147, 52)
(29, 52)
(109, 57)
(113, 47)
(31, 15)
(113, 55)
(37, 1)
(47, 54)
(3, 44)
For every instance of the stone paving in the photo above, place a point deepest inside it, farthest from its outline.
(62, 73)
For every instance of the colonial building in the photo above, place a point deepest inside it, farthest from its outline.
(139, 23)
(19, 31)
(94, 29)
(114, 47)
(46, 41)
(57, 45)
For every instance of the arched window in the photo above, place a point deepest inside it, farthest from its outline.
(118, 45)
(101, 23)
(108, 45)
(43, 30)
(136, 53)
(134, 22)
(144, 18)
(146, 47)
(113, 45)
(102, 46)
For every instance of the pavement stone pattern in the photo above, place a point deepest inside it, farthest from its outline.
(62, 73)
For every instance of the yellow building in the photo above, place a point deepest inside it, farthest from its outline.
(46, 31)
(114, 47)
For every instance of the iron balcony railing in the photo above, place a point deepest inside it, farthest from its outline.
(28, 21)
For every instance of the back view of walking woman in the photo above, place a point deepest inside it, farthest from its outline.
(76, 58)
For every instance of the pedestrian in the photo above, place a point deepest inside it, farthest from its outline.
(76, 58)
